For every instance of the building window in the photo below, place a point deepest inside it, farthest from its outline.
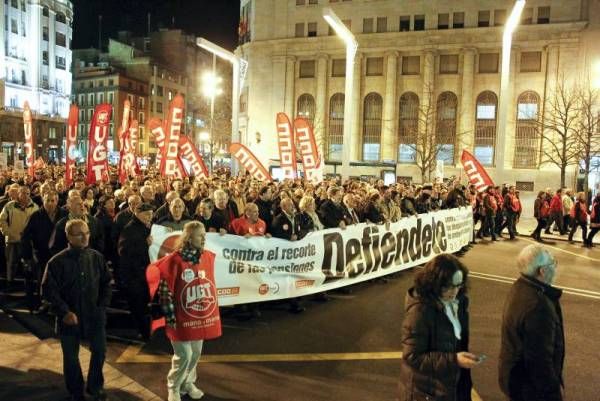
(531, 61)
(23, 8)
(101, 83)
(348, 23)
(14, 3)
(445, 129)
(307, 69)
(527, 16)
(419, 23)
(527, 135)
(141, 103)
(338, 67)
(367, 25)
(61, 39)
(141, 118)
(111, 82)
(374, 66)
(111, 97)
(81, 100)
(335, 136)
(90, 114)
(91, 100)
(499, 17)
(45, 33)
(313, 1)
(23, 78)
(543, 15)
(483, 19)
(14, 28)
(381, 24)
(60, 17)
(449, 64)
(408, 127)
(411, 65)
(458, 20)
(312, 29)
(45, 11)
(159, 90)
(443, 21)
(45, 57)
(23, 32)
(372, 117)
(100, 98)
(404, 23)
(300, 2)
(61, 63)
(488, 63)
(52, 132)
(299, 30)
(485, 127)
(159, 108)
(305, 108)
(171, 95)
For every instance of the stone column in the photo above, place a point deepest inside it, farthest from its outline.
(321, 102)
(388, 135)
(355, 146)
(467, 104)
(290, 80)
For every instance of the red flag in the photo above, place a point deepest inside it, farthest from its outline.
(475, 171)
(250, 162)
(287, 146)
(71, 144)
(134, 140)
(156, 129)
(97, 162)
(188, 151)
(123, 138)
(29, 139)
(168, 162)
(313, 167)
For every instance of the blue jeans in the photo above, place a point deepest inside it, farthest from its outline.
(72, 368)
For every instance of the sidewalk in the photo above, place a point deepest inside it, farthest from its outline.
(31, 369)
(527, 225)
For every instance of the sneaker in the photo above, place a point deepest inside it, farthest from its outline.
(192, 391)
(173, 395)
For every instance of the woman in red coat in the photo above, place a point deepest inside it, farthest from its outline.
(188, 297)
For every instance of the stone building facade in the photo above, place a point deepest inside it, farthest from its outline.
(410, 55)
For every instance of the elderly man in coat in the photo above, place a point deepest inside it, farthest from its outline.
(532, 349)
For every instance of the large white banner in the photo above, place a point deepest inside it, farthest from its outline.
(263, 269)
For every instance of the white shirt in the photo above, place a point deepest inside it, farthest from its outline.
(451, 309)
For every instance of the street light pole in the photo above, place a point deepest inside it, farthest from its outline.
(212, 114)
(239, 71)
(351, 47)
(509, 28)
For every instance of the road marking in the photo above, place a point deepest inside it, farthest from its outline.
(510, 280)
(564, 250)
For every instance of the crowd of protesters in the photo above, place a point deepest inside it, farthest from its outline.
(35, 211)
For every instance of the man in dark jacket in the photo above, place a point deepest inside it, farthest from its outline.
(332, 212)
(59, 241)
(36, 251)
(265, 206)
(134, 242)
(77, 285)
(285, 224)
(532, 348)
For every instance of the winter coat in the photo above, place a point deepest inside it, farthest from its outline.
(133, 251)
(331, 214)
(532, 349)
(59, 241)
(14, 218)
(77, 280)
(429, 369)
(37, 233)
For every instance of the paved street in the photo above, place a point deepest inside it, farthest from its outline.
(348, 348)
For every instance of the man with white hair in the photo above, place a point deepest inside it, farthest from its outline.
(532, 349)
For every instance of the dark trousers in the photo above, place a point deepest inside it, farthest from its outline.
(574, 226)
(538, 230)
(511, 223)
(138, 298)
(487, 226)
(590, 237)
(72, 368)
(557, 218)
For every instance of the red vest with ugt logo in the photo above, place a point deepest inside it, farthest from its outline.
(194, 296)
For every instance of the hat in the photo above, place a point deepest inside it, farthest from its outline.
(145, 207)
(428, 186)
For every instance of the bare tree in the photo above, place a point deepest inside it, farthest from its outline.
(557, 128)
(587, 130)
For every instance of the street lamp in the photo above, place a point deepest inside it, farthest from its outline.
(509, 28)
(239, 71)
(351, 47)
(210, 88)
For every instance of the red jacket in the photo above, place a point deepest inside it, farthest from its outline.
(556, 205)
(194, 296)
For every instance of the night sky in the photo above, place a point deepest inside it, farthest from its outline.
(216, 20)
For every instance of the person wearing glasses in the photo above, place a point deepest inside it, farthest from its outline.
(435, 335)
(76, 283)
(532, 349)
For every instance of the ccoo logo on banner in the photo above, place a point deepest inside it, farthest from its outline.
(263, 269)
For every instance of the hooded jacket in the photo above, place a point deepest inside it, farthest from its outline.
(429, 368)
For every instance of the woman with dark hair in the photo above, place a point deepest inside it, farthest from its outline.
(435, 335)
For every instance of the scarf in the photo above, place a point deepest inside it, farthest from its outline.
(189, 254)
